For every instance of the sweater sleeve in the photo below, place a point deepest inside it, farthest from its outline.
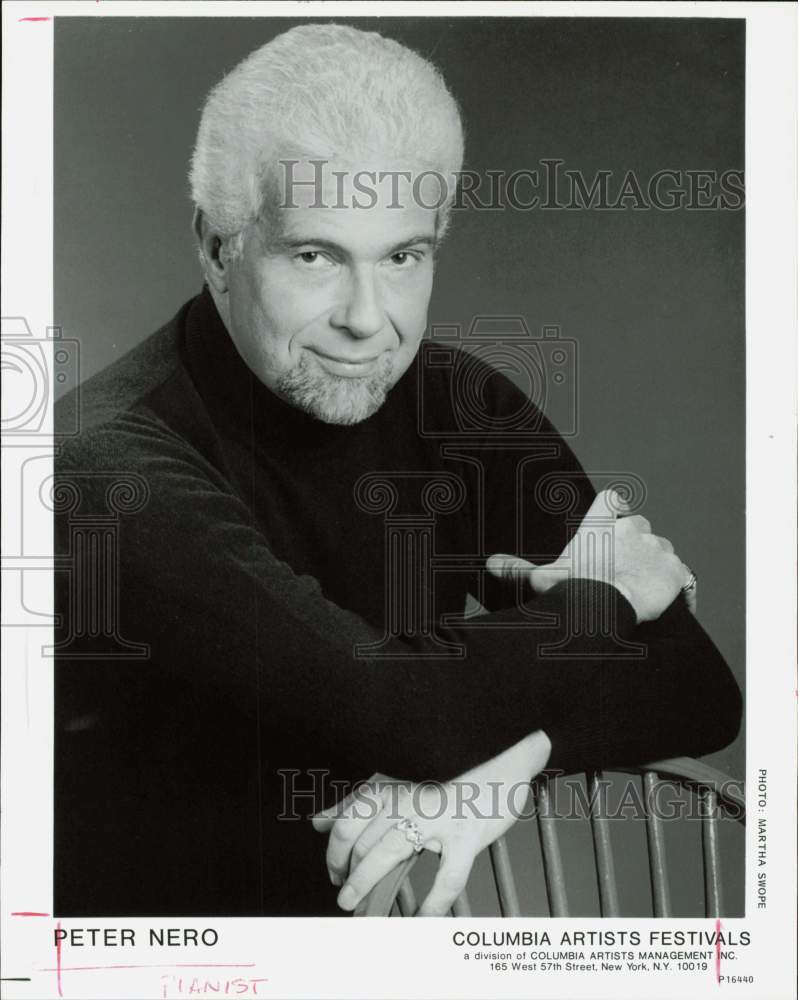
(691, 706)
(199, 584)
(676, 696)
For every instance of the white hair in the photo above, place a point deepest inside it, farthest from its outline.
(319, 90)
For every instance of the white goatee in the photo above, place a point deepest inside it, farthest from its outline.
(335, 399)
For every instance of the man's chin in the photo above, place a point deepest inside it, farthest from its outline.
(335, 399)
(346, 415)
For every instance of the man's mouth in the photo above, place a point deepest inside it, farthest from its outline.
(346, 366)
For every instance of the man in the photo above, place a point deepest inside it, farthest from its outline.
(299, 570)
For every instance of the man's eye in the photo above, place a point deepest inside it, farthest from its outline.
(313, 258)
(404, 258)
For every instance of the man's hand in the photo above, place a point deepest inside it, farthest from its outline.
(621, 551)
(457, 819)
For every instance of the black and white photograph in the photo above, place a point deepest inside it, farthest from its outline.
(392, 520)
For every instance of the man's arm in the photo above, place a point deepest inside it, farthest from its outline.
(535, 503)
(199, 583)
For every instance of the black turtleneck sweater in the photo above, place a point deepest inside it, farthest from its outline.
(271, 574)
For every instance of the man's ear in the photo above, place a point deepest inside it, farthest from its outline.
(210, 247)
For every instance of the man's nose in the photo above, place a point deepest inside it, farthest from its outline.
(360, 312)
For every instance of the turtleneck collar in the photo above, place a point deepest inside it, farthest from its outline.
(240, 399)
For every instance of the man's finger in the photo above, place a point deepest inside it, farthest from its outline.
(608, 503)
(322, 824)
(345, 834)
(638, 522)
(509, 567)
(392, 849)
(324, 819)
(371, 836)
(449, 883)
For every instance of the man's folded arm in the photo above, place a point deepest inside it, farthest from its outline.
(691, 704)
(199, 584)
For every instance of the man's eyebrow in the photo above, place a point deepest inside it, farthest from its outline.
(423, 239)
(282, 243)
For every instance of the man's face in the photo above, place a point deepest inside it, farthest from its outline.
(327, 306)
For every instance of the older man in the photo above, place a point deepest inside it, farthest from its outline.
(296, 645)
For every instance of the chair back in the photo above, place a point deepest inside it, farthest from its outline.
(715, 793)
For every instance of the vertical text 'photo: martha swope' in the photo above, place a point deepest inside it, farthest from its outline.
(413, 537)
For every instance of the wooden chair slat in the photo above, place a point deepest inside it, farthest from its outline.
(605, 863)
(505, 881)
(713, 787)
(713, 893)
(553, 871)
(657, 861)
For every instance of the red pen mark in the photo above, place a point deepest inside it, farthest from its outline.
(717, 949)
(28, 913)
(58, 957)
(33, 19)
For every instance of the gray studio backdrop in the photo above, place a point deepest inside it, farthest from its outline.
(654, 299)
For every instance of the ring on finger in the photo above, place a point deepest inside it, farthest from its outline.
(691, 584)
(412, 833)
